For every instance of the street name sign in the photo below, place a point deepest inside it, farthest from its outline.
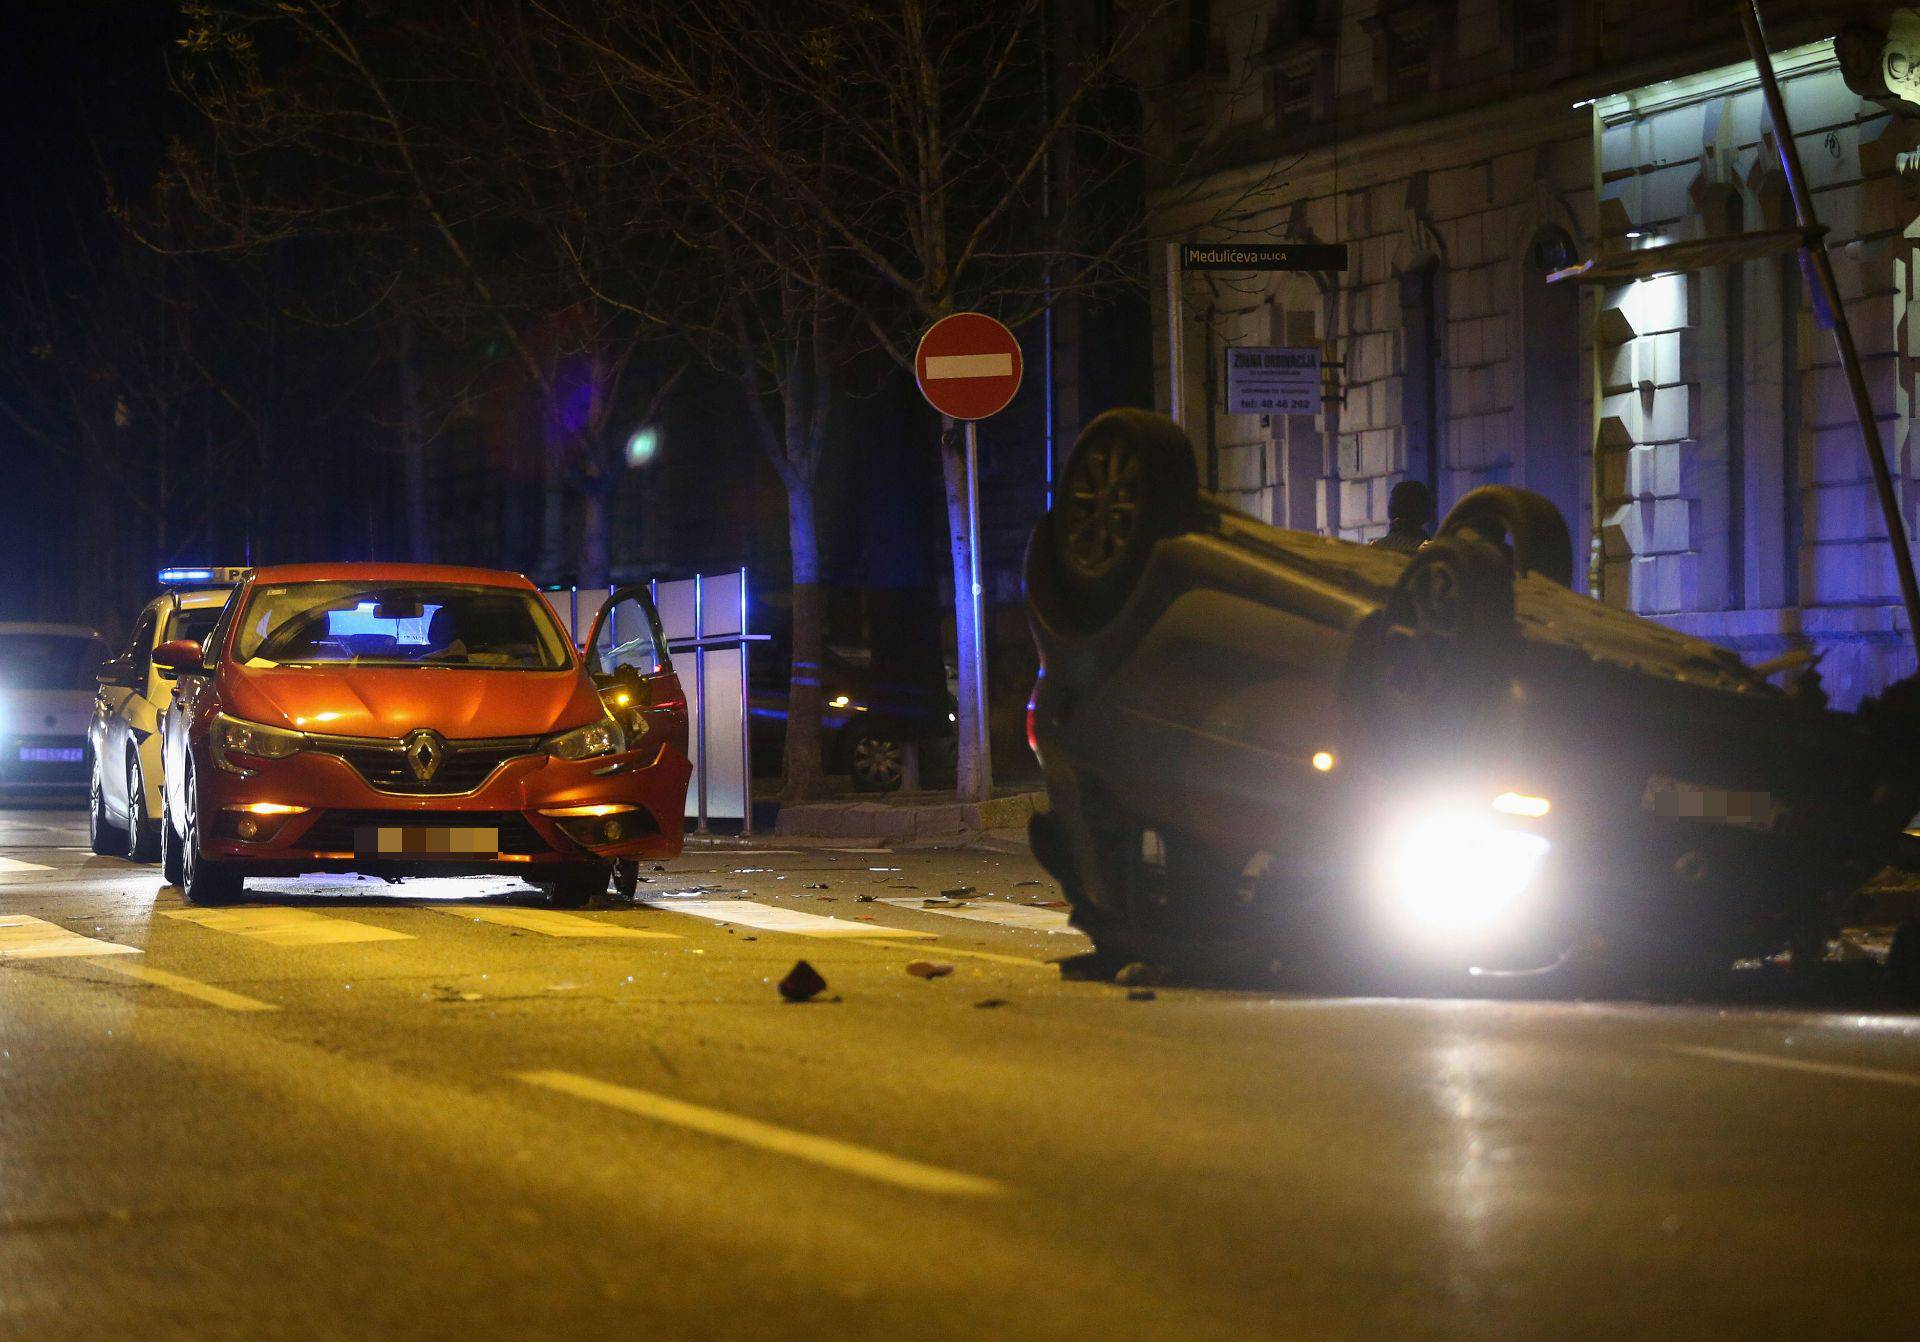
(1263, 256)
(1273, 379)
(968, 366)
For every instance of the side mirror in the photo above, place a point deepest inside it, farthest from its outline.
(182, 654)
(113, 673)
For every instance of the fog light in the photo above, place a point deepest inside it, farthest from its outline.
(613, 829)
(247, 827)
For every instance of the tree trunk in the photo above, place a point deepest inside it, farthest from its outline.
(553, 513)
(413, 449)
(596, 532)
(975, 780)
(805, 776)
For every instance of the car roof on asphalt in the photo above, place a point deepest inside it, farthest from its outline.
(427, 573)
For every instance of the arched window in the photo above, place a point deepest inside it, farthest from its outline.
(1555, 439)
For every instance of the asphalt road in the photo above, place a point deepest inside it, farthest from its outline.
(357, 1110)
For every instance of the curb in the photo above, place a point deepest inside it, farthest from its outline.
(879, 820)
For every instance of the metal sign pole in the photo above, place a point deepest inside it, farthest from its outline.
(1814, 247)
(978, 690)
(1176, 373)
(700, 702)
(746, 719)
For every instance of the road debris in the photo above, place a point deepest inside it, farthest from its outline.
(802, 983)
(929, 969)
(958, 892)
(815, 885)
(1137, 974)
(1141, 994)
(987, 1003)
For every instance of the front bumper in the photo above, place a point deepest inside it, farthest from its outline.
(338, 807)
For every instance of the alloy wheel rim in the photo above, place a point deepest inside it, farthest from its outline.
(1102, 507)
(878, 760)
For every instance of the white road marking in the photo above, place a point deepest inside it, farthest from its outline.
(23, 937)
(550, 922)
(286, 927)
(767, 918)
(1797, 1065)
(842, 1156)
(15, 864)
(1023, 916)
(968, 365)
(186, 987)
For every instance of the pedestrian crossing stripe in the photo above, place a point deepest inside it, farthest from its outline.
(17, 864)
(286, 927)
(767, 918)
(1023, 916)
(23, 937)
(550, 922)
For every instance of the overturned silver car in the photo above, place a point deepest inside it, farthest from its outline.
(1258, 740)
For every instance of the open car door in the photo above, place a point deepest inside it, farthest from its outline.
(627, 657)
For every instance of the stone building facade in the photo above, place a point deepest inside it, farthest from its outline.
(1463, 149)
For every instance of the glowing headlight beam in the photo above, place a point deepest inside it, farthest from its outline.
(1519, 803)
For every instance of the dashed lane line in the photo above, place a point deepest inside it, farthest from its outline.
(767, 918)
(1023, 916)
(286, 927)
(1798, 1065)
(23, 937)
(836, 1155)
(186, 987)
(551, 922)
(16, 864)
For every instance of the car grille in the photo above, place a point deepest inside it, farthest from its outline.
(334, 831)
(468, 763)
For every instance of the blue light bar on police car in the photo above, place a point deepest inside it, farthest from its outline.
(188, 577)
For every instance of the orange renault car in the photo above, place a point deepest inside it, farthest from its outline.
(413, 720)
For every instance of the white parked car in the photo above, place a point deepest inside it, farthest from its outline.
(124, 791)
(46, 693)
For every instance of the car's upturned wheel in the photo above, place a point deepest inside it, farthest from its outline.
(1438, 658)
(103, 836)
(203, 881)
(877, 763)
(1129, 481)
(172, 860)
(576, 887)
(1525, 524)
(143, 835)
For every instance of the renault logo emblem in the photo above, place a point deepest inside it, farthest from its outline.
(425, 751)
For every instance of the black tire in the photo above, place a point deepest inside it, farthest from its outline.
(1129, 481)
(103, 836)
(1437, 662)
(1903, 961)
(172, 860)
(143, 834)
(203, 881)
(1525, 524)
(576, 887)
(877, 763)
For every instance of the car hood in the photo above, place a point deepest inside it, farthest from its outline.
(45, 712)
(460, 704)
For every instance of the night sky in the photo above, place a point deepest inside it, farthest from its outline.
(84, 89)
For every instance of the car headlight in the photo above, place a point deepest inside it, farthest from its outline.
(237, 736)
(589, 742)
(1454, 875)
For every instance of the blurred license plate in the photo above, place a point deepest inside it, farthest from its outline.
(425, 841)
(51, 754)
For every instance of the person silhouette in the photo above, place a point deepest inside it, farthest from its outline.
(1409, 510)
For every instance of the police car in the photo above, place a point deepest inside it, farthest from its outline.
(124, 794)
(46, 679)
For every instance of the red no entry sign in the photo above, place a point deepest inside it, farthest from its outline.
(968, 366)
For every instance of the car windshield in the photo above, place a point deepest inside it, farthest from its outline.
(49, 661)
(413, 624)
